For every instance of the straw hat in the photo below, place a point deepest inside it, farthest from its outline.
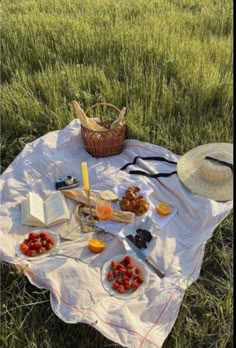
(207, 177)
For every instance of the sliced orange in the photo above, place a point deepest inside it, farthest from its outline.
(96, 245)
(163, 209)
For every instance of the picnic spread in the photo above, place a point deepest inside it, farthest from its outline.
(115, 229)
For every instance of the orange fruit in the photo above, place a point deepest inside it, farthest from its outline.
(104, 212)
(96, 245)
(163, 209)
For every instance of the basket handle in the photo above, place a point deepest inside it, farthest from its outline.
(98, 104)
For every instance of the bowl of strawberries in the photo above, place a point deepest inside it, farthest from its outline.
(38, 244)
(124, 276)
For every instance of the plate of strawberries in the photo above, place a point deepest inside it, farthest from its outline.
(124, 276)
(38, 244)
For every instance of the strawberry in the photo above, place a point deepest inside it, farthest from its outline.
(24, 248)
(110, 276)
(122, 271)
(31, 253)
(127, 260)
(113, 264)
(126, 287)
(43, 235)
(50, 240)
(125, 277)
(139, 279)
(115, 285)
(119, 281)
(41, 250)
(134, 285)
(126, 283)
(115, 272)
(26, 241)
(121, 289)
(138, 270)
(31, 245)
(120, 266)
(48, 246)
(37, 245)
(130, 265)
(33, 235)
(129, 273)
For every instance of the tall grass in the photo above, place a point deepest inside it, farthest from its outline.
(170, 63)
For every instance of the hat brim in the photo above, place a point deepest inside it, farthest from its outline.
(189, 175)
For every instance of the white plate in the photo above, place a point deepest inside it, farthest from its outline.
(145, 191)
(131, 229)
(108, 285)
(52, 234)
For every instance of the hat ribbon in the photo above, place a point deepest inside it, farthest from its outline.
(155, 158)
(221, 162)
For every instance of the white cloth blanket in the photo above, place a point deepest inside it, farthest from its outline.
(77, 294)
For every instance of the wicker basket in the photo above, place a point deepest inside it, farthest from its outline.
(103, 144)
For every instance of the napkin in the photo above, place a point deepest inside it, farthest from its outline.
(160, 221)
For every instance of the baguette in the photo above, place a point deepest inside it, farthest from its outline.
(117, 215)
(86, 121)
(79, 196)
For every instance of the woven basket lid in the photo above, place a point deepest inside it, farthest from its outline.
(207, 177)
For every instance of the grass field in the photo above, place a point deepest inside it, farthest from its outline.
(170, 63)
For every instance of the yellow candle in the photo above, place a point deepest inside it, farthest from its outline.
(85, 176)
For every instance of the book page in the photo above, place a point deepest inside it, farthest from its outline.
(55, 208)
(26, 219)
(36, 207)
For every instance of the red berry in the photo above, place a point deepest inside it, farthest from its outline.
(115, 272)
(115, 285)
(138, 270)
(122, 271)
(33, 235)
(31, 253)
(24, 248)
(50, 240)
(134, 285)
(126, 282)
(127, 260)
(121, 289)
(110, 276)
(129, 273)
(31, 245)
(130, 265)
(48, 246)
(37, 245)
(139, 279)
(113, 264)
(43, 235)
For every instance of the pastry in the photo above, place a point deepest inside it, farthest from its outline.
(133, 202)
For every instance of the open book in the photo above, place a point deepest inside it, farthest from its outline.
(36, 212)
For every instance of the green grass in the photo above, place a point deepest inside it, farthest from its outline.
(170, 63)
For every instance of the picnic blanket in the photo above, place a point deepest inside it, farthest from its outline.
(76, 291)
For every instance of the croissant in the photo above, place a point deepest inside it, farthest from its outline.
(125, 204)
(141, 208)
(133, 189)
(130, 196)
(133, 202)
